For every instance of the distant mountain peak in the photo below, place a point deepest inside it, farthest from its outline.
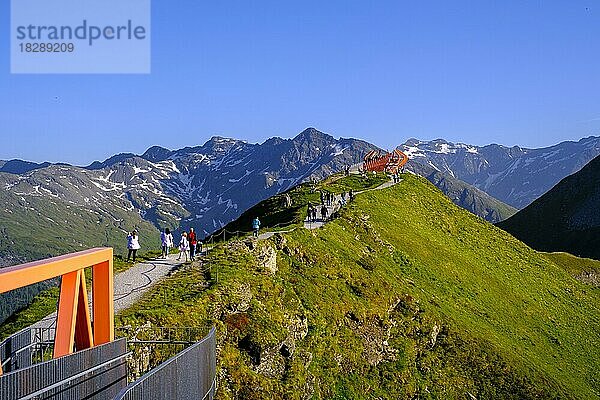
(156, 153)
(20, 166)
(117, 158)
(311, 133)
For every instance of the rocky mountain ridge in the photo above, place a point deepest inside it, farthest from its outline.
(204, 186)
(514, 175)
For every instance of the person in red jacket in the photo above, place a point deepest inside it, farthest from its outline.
(193, 242)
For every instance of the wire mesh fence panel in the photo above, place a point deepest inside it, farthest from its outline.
(15, 351)
(191, 374)
(97, 373)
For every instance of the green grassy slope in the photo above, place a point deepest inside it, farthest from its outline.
(586, 270)
(40, 228)
(405, 296)
(566, 218)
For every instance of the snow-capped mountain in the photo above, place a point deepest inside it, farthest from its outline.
(514, 175)
(205, 186)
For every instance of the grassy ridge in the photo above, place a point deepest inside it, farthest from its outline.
(495, 287)
(406, 295)
(274, 215)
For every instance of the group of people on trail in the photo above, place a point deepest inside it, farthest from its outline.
(313, 212)
(188, 243)
(327, 198)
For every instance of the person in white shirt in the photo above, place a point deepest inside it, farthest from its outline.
(166, 239)
(133, 245)
(183, 246)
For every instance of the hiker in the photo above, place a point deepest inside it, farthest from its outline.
(322, 198)
(314, 214)
(133, 245)
(166, 239)
(255, 226)
(344, 197)
(351, 195)
(324, 211)
(192, 242)
(183, 246)
(309, 212)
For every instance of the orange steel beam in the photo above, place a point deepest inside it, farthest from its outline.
(102, 302)
(67, 311)
(73, 326)
(37, 271)
(84, 338)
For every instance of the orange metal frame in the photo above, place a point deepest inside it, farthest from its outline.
(73, 324)
(389, 162)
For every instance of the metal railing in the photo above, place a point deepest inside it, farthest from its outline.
(73, 319)
(15, 351)
(151, 345)
(191, 374)
(96, 373)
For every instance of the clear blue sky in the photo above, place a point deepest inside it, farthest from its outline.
(509, 72)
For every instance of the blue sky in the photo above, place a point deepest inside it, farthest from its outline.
(510, 72)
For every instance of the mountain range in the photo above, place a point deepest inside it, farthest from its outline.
(210, 185)
(564, 219)
(401, 295)
(514, 175)
(205, 186)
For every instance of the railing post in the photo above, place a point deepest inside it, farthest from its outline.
(102, 294)
(84, 338)
(67, 309)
